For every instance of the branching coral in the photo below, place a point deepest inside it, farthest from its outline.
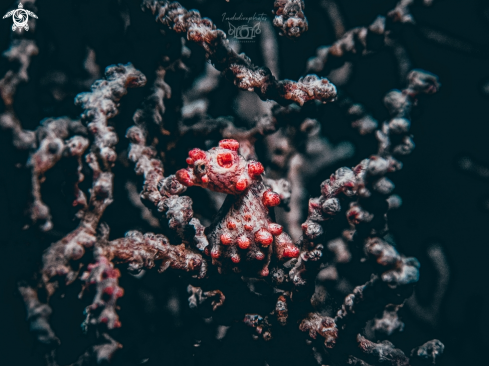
(239, 266)
(238, 68)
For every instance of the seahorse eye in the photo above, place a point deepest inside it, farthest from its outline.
(200, 168)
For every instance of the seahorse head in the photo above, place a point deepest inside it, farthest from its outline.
(220, 169)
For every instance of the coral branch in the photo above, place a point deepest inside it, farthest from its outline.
(138, 251)
(51, 135)
(361, 40)
(236, 67)
(162, 193)
(96, 355)
(428, 353)
(290, 18)
(355, 42)
(38, 316)
(323, 326)
(102, 106)
(197, 297)
(20, 51)
(105, 278)
(384, 353)
(142, 251)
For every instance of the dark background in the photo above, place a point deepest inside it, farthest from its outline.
(441, 203)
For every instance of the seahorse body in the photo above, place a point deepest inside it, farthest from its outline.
(243, 229)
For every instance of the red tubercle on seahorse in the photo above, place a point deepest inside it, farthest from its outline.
(271, 199)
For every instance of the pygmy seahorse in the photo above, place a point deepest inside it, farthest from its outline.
(243, 230)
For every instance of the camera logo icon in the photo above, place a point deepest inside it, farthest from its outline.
(244, 31)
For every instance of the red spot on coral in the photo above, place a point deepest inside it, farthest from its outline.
(119, 293)
(117, 324)
(264, 272)
(225, 160)
(243, 242)
(215, 253)
(204, 179)
(109, 291)
(241, 185)
(263, 237)
(196, 154)
(248, 227)
(291, 251)
(229, 144)
(104, 320)
(114, 273)
(235, 258)
(275, 229)
(189, 161)
(226, 239)
(231, 225)
(271, 199)
(255, 168)
(247, 217)
(184, 178)
(259, 256)
(353, 213)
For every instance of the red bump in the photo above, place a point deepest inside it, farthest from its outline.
(229, 144)
(104, 320)
(260, 256)
(248, 227)
(291, 251)
(204, 178)
(271, 199)
(215, 253)
(275, 229)
(109, 291)
(184, 178)
(226, 239)
(117, 324)
(241, 185)
(119, 293)
(196, 154)
(189, 161)
(244, 242)
(235, 258)
(247, 217)
(264, 272)
(225, 160)
(255, 168)
(263, 237)
(231, 225)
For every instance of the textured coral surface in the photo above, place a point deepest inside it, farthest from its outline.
(175, 193)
